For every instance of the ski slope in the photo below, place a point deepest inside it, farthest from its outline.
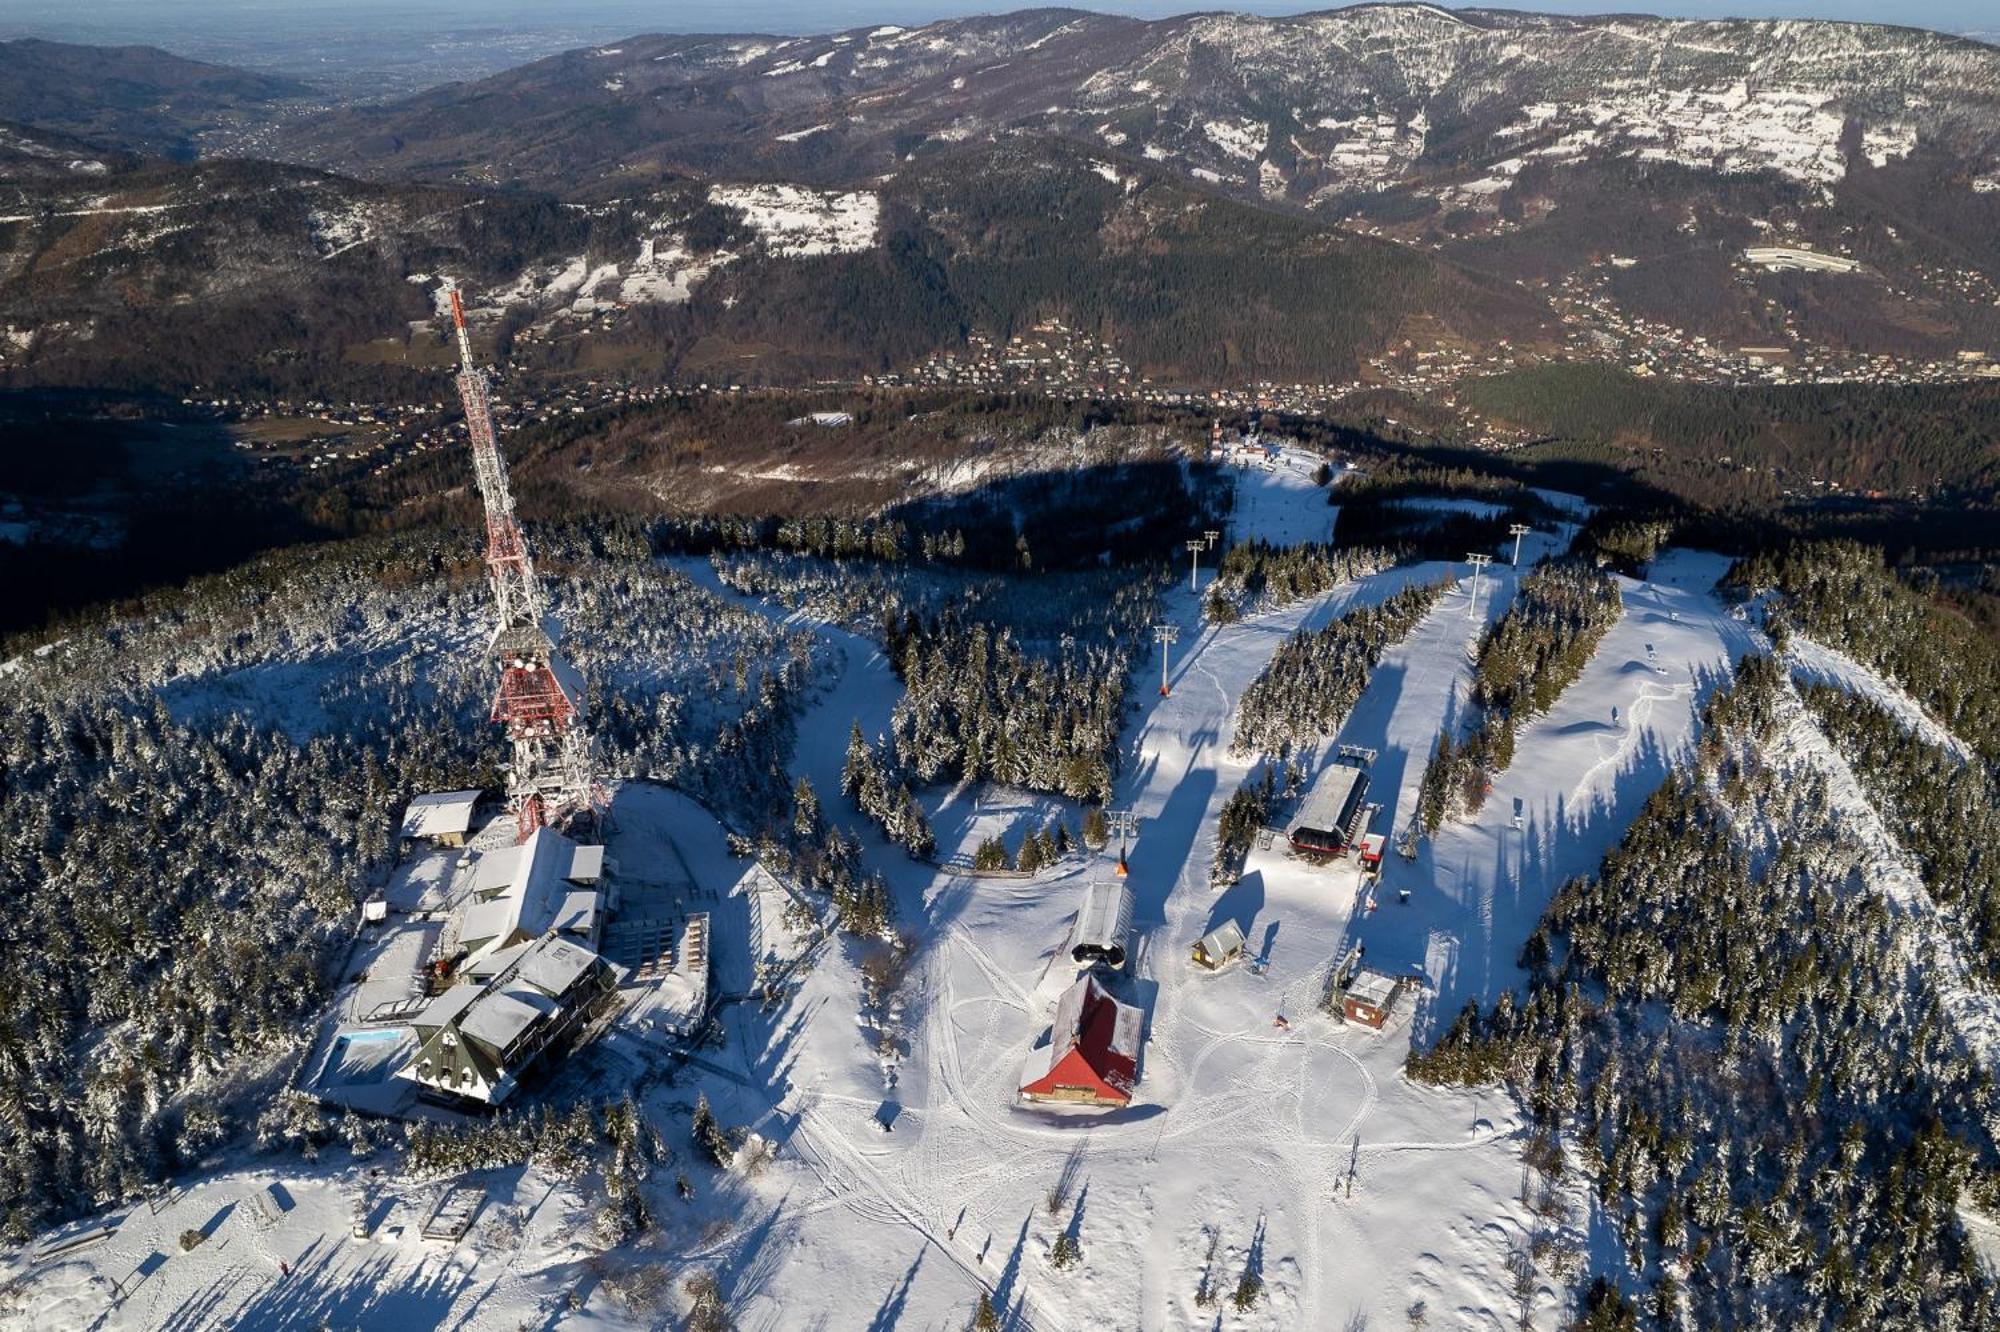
(1297, 1152)
(1300, 1150)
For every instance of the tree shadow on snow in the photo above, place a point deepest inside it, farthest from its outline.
(1240, 902)
(321, 1291)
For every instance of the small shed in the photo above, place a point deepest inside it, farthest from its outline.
(441, 817)
(1371, 847)
(1103, 925)
(1370, 996)
(1219, 947)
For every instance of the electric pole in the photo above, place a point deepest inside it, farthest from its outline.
(1194, 548)
(1122, 823)
(1517, 531)
(1478, 562)
(1166, 635)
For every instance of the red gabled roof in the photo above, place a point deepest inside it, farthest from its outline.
(1093, 1047)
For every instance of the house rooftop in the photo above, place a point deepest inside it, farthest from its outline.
(501, 1017)
(439, 814)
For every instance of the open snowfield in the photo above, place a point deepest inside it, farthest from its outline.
(1297, 1152)
(1300, 1151)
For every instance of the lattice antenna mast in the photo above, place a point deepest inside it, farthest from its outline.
(509, 567)
(552, 780)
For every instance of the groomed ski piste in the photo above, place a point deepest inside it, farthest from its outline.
(1296, 1151)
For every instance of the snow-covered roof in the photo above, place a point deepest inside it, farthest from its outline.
(547, 882)
(482, 922)
(1078, 1006)
(553, 965)
(577, 912)
(586, 864)
(1125, 1033)
(439, 813)
(448, 1006)
(1373, 987)
(500, 1017)
(1328, 798)
(1103, 921)
(1223, 940)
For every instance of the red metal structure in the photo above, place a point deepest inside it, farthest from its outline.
(552, 781)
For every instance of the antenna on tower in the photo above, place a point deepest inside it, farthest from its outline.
(552, 781)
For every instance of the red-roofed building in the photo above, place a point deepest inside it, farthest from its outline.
(1092, 1057)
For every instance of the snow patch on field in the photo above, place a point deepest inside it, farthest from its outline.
(338, 229)
(666, 273)
(1793, 131)
(1238, 138)
(793, 221)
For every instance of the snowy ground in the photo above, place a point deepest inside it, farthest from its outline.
(1297, 1152)
(1354, 1192)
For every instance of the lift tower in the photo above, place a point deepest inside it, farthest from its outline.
(552, 781)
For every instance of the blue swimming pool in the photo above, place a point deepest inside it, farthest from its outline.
(361, 1057)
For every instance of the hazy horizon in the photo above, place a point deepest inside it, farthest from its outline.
(405, 43)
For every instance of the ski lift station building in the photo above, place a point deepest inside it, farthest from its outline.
(1334, 815)
(1103, 926)
(1092, 1057)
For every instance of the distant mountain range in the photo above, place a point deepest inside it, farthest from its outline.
(134, 98)
(1308, 110)
(1410, 176)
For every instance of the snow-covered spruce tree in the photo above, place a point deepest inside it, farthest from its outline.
(886, 799)
(1246, 810)
(1257, 575)
(1317, 675)
(708, 1135)
(1723, 1030)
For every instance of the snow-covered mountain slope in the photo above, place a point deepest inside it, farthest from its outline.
(1294, 1151)
(1303, 107)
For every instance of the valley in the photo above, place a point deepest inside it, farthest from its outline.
(1038, 671)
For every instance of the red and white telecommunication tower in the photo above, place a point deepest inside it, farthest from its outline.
(552, 782)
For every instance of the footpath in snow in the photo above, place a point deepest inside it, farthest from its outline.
(1295, 1153)
(1298, 1152)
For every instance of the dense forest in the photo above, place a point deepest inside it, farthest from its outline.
(1840, 594)
(199, 795)
(1722, 1029)
(1944, 808)
(1434, 512)
(977, 706)
(1257, 575)
(1747, 445)
(1316, 676)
